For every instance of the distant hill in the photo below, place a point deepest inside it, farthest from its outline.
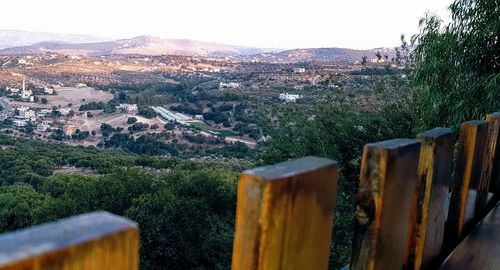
(145, 45)
(325, 54)
(14, 38)
(20, 42)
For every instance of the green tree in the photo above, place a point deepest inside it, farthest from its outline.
(457, 67)
(22, 206)
(338, 131)
(131, 120)
(187, 223)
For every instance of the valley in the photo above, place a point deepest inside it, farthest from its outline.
(225, 105)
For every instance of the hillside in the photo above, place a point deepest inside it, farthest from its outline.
(14, 38)
(20, 42)
(143, 45)
(325, 54)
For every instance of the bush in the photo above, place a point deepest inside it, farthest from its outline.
(131, 120)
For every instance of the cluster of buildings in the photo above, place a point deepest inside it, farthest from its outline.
(27, 94)
(23, 116)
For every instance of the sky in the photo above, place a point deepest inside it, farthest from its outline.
(260, 23)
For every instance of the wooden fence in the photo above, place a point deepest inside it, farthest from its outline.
(417, 200)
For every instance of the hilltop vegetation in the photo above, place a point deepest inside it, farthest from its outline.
(185, 209)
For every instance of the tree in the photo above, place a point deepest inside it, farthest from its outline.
(457, 68)
(169, 126)
(131, 120)
(364, 60)
(44, 101)
(147, 112)
(22, 206)
(338, 131)
(154, 126)
(188, 223)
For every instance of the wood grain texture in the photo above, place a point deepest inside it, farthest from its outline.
(284, 215)
(95, 241)
(465, 184)
(429, 214)
(480, 249)
(387, 188)
(491, 165)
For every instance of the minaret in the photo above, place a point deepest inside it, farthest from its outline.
(24, 84)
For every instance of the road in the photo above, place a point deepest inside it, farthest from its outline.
(4, 102)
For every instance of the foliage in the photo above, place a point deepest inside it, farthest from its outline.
(185, 209)
(192, 203)
(131, 120)
(338, 130)
(147, 112)
(457, 66)
(136, 127)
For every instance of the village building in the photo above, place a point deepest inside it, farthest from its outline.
(127, 107)
(289, 97)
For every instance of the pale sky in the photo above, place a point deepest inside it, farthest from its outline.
(261, 23)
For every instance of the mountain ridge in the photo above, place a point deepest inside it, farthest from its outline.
(152, 46)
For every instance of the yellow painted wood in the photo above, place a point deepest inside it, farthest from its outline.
(96, 241)
(465, 184)
(387, 190)
(284, 215)
(434, 172)
(491, 165)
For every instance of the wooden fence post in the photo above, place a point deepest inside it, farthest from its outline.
(435, 168)
(387, 190)
(465, 185)
(491, 165)
(96, 241)
(284, 215)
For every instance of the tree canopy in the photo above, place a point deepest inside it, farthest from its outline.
(457, 66)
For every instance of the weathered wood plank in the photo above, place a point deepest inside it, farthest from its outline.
(284, 215)
(387, 189)
(465, 184)
(429, 217)
(491, 165)
(96, 241)
(480, 249)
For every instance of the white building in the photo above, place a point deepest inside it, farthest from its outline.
(299, 70)
(81, 85)
(128, 107)
(48, 90)
(13, 90)
(26, 94)
(64, 111)
(199, 117)
(42, 127)
(289, 97)
(19, 123)
(26, 113)
(229, 85)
